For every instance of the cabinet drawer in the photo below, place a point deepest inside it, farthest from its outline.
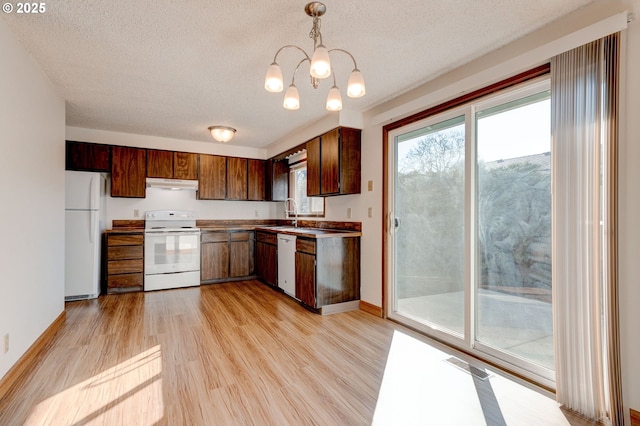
(240, 236)
(124, 252)
(266, 237)
(124, 266)
(125, 240)
(214, 237)
(125, 280)
(306, 246)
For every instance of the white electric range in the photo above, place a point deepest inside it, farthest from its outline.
(171, 250)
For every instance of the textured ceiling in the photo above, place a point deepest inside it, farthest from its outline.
(173, 68)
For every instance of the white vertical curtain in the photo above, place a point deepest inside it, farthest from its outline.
(584, 145)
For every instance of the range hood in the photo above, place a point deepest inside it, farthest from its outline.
(173, 184)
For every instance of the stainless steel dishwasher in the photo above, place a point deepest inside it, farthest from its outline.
(287, 263)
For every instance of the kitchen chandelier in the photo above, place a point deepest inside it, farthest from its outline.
(222, 133)
(319, 68)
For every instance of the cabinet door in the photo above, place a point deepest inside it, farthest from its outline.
(159, 164)
(350, 174)
(256, 189)
(214, 264)
(239, 259)
(128, 172)
(212, 177)
(236, 178)
(330, 162)
(280, 181)
(266, 262)
(306, 278)
(313, 167)
(88, 157)
(185, 165)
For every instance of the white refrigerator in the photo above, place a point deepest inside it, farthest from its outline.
(84, 223)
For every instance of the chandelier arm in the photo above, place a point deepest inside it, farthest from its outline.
(355, 65)
(298, 66)
(294, 46)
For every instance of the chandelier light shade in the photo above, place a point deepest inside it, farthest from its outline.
(291, 98)
(319, 68)
(222, 133)
(355, 87)
(334, 99)
(320, 63)
(273, 82)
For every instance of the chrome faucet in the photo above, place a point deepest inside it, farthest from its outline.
(290, 207)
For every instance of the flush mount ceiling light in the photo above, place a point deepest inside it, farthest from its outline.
(319, 68)
(222, 133)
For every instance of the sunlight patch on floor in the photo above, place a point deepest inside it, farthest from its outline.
(133, 386)
(419, 388)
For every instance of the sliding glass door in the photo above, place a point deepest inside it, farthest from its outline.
(470, 228)
(429, 207)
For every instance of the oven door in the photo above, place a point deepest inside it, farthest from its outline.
(167, 252)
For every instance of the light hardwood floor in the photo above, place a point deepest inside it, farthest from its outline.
(233, 354)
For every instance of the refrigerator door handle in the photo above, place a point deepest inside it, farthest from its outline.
(92, 196)
(92, 219)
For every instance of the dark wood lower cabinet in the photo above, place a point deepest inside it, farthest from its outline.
(306, 278)
(241, 261)
(214, 264)
(123, 262)
(267, 258)
(226, 255)
(327, 271)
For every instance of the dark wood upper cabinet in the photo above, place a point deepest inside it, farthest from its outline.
(159, 164)
(279, 180)
(128, 172)
(185, 165)
(212, 177)
(256, 180)
(333, 163)
(172, 165)
(87, 157)
(313, 167)
(236, 178)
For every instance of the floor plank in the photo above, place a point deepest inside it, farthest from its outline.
(233, 354)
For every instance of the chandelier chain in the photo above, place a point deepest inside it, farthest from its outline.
(315, 32)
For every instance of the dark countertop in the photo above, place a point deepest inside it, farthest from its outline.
(310, 232)
(125, 230)
(133, 227)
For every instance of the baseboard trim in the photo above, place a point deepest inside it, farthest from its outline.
(371, 309)
(25, 361)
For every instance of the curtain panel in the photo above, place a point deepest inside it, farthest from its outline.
(584, 105)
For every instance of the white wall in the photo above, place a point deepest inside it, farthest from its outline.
(32, 187)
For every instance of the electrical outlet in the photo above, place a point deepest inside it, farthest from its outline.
(136, 213)
(256, 213)
(370, 185)
(348, 212)
(6, 344)
(370, 212)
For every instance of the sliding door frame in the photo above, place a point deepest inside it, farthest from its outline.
(465, 343)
